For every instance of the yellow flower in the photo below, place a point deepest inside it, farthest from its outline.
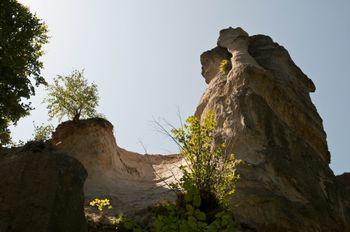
(100, 204)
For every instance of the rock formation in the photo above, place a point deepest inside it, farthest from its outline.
(344, 180)
(41, 190)
(344, 185)
(267, 119)
(132, 181)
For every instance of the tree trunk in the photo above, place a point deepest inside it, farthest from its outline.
(76, 117)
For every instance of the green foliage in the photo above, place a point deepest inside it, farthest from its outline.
(125, 224)
(43, 132)
(225, 66)
(207, 183)
(208, 168)
(72, 96)
(22, 36)
(121, 222)
(191, 219)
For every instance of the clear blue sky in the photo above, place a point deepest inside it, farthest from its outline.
(144, 56)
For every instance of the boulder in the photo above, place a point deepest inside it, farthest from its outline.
(41, 190)
(267, 119)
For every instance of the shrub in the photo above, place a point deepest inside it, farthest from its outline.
(208, 168)
(125, 224)
(207, 183)
(225, 66)
(42, 133)
(191, 219)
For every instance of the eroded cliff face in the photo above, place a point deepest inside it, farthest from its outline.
(132, 181)
(267, 119)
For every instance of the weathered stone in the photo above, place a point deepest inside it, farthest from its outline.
(41, 190)
(130, 180)
(266, 117)
(344, 180)
(344, 185)
(211, 62)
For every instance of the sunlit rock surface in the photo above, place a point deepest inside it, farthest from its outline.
(267, 119)
(132, 181)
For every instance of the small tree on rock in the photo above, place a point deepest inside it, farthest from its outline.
(73, 97)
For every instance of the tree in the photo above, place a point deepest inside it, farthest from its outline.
(22, 35)
(72, 96)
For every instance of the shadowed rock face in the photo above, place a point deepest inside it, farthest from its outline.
(41, 190)
(132, 181)
(344, 185)
(266, 117)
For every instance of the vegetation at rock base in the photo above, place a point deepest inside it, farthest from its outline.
(225, 66)
(42, 132)
(120, 222)
(209, 169)
(22, 36)
(204, 190)
(71, 96)
(207, 183)
(125, 224)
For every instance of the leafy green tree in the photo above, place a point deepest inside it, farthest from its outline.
(43, 132)
(22, 35)
(72, 96)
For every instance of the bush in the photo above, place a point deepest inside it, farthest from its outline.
(208, 168)
(42, 133)
(125, 224)
(191, 219)
(207, 183)
(225, 66)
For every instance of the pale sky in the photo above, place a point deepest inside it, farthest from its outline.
(144, 57)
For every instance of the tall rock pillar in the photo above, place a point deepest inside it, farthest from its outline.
(266, 117)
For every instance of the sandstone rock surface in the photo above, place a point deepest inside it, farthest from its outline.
(41, 190)
(267, 119)
(130, 180)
